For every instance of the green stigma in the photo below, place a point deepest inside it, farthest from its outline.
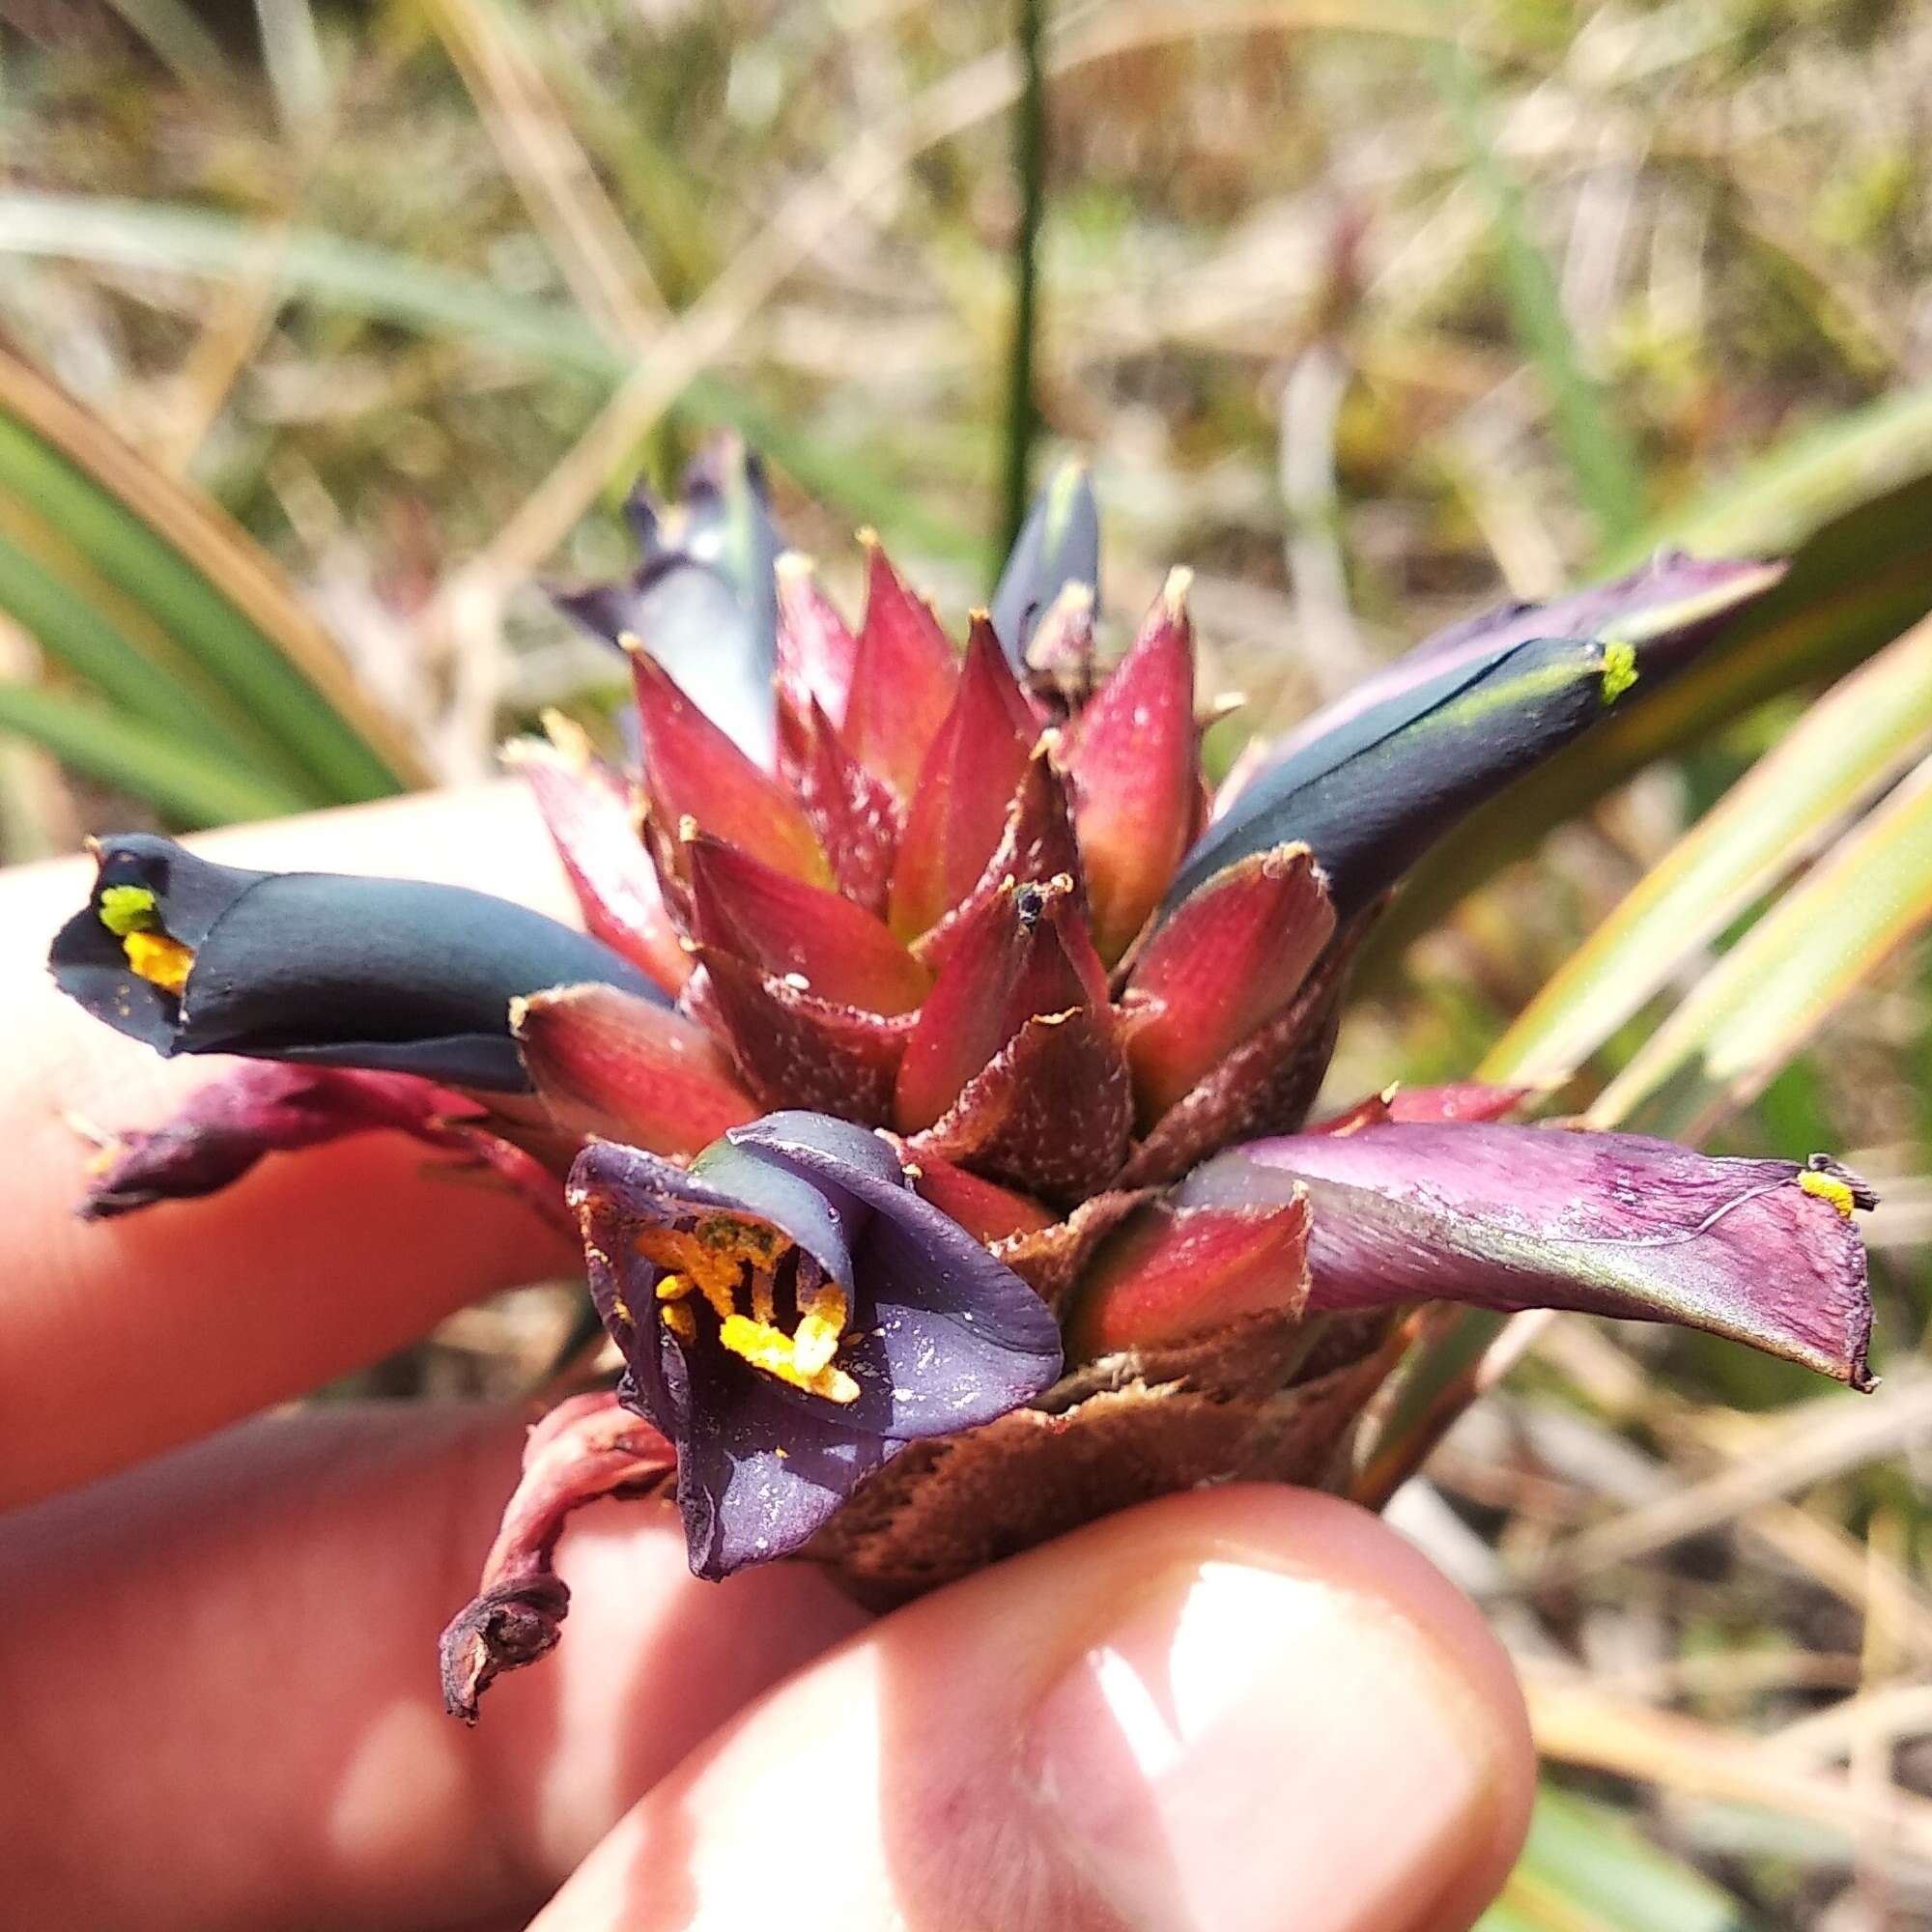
(125, 909)
(1619, 670)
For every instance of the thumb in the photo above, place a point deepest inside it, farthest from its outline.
(1247, 1709)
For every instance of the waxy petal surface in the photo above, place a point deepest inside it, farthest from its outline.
(606, 1063)
(1372, 795)
(326, 969)
(1666, 607)
(940, 1335)
(1761, 1251)
(1230, 959)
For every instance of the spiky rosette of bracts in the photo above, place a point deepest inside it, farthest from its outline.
(933, 1090)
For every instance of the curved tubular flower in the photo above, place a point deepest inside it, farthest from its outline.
(1761, 1251)
(1372, 794)
(1059, 544)
(791, 1313)
(702, 593)
(320, 968)
(1664, 609)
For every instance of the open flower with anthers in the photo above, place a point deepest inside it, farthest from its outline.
(932, 1093)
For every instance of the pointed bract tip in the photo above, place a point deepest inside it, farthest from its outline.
(1174, 592)
(794, 563)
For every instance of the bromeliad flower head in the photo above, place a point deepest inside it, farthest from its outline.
(935, 1073)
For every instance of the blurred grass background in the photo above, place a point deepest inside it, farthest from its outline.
(327, 328)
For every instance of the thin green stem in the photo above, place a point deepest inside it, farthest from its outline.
(1030, 164)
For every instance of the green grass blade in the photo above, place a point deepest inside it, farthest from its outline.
(1586, 1868)
(186, 784)
(1770, 992)
(205, 584)
(84, 639)
(385, 286)
(1602, 459)
(1844, 750)
(1803, 482)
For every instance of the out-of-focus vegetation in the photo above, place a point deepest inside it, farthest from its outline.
(366, 315)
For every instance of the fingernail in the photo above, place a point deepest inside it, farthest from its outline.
(1248, 1747)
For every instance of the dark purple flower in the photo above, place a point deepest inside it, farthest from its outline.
(1059, 544)
(1762, 1251)
(319, 968)
(791, 1313)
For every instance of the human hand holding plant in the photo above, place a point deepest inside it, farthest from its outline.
(1249, 1707)
(931, 1101)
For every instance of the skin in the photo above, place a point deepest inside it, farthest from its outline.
(1246, 1708)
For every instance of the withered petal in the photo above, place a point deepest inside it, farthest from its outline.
(1505, 1217)
(227, 1125)
(585, 1448)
